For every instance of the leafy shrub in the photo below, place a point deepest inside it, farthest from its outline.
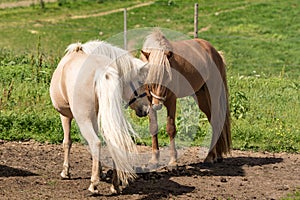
(239, 104)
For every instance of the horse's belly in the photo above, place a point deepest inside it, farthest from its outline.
(183, 86)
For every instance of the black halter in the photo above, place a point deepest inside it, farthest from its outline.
(136, 95)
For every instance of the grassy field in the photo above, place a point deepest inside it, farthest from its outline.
(260, 40)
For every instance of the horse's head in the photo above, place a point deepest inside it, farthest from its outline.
(158, 76)
(134, 91)
(137, 98)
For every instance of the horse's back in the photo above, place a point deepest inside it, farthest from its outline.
(214, 54)
(217, 57)
(193, 64)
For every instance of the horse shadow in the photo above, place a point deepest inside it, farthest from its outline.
(6, 171)
(233, 166)
(156, 188)
(158, 184)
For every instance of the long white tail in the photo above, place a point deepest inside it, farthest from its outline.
(113, 125)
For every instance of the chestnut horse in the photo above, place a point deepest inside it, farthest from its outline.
(187, 68)
(89, 85)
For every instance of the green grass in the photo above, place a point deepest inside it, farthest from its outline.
(270, 120)
(259, 38)
(293, 196)
(247, 31)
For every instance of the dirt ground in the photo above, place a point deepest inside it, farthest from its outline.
(30, 170)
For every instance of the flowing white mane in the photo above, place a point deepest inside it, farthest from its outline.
(127, 66)
(157, 46)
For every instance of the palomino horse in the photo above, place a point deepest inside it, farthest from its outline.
(88, 85)
(183, 68)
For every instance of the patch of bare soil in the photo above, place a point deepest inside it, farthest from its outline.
(30, 170)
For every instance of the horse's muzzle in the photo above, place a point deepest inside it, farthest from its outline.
(143, 111)
(157, 106)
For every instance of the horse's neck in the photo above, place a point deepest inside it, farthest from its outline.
(122, 61)
(126, 65)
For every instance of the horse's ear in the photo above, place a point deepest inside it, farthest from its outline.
(146, 54)
(169, 54)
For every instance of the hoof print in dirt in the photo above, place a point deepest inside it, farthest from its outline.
(223, 180)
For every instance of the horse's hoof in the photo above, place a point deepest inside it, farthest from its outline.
(152, 166)
(93, 189)
(172, 166)
(115, 190)
(138, 170)
(64, 175)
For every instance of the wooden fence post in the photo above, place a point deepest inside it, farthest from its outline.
(125, 28)
(196, 21)
(42, 3)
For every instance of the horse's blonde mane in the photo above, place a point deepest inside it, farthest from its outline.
(124, 62)
(157, 45)
(157, 40)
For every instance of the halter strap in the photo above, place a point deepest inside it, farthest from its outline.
(133, 89)
(158, 97)
(136, 95)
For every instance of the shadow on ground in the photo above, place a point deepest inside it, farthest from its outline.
(6, 171)
(156, 185)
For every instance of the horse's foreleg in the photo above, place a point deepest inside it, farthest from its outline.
(67, 143)
(153, 131)
(171, 129)
(96, 165)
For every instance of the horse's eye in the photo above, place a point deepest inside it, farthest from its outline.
(140, 83)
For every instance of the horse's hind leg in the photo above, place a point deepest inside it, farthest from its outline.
(89, 132)
(67, 143)
(203, 100)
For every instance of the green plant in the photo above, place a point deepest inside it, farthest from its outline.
(239, 104)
